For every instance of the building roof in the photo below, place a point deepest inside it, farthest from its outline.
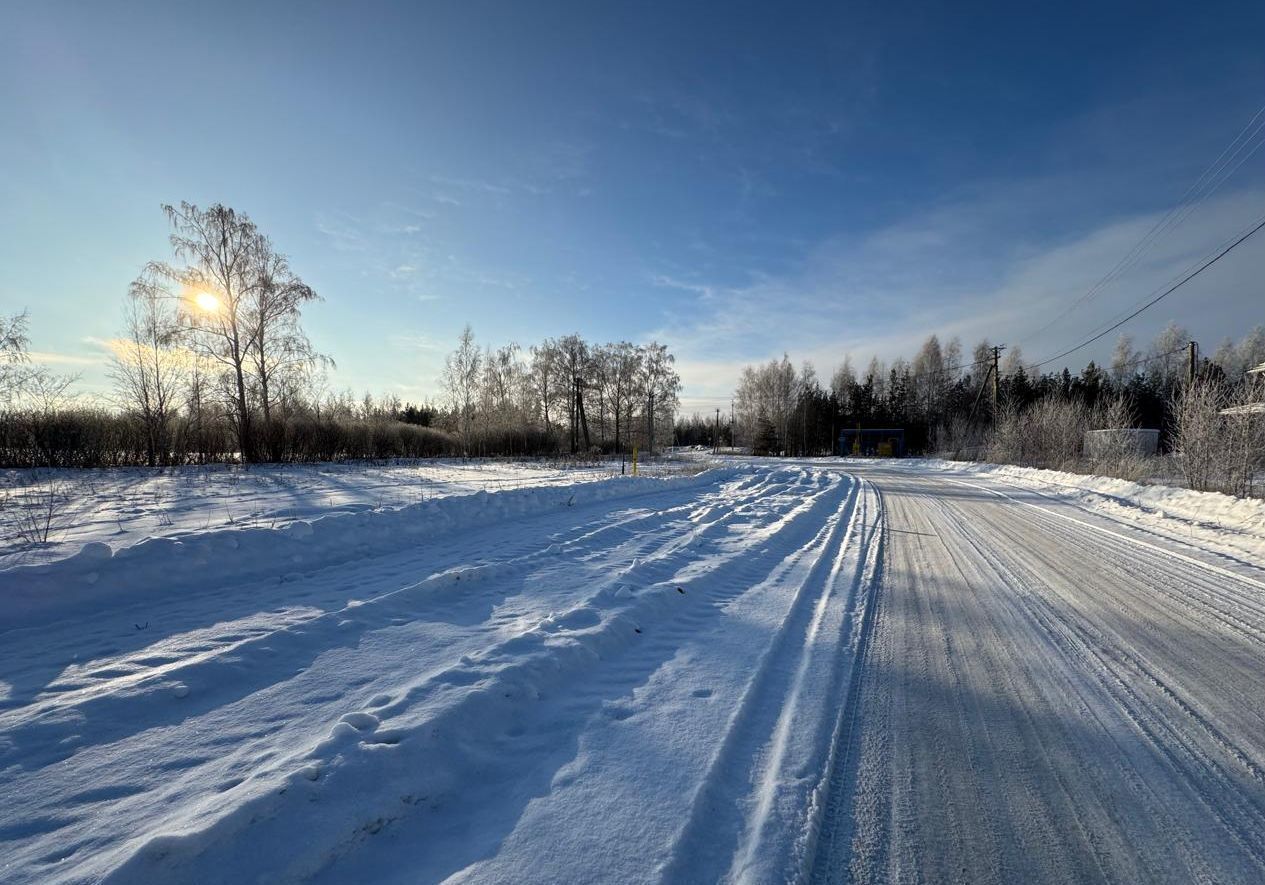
(1246, 409)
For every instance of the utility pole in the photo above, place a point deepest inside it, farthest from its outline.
(716, 437)
(1193, 350)
(996, 376)
(994, 371)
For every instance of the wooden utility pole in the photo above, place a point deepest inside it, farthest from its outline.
(1193, 351)
(994, 371)
(716, 436)
(996, 376)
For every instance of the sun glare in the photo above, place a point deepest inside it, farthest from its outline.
(206, 302)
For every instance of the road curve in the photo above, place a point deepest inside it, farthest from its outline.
(1048, 699)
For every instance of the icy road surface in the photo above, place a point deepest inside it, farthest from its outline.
(822, 671)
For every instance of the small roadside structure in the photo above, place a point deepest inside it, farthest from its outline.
(883, 442)
(1249, 408)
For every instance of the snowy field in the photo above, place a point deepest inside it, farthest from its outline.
(827, 671)
(120, 507)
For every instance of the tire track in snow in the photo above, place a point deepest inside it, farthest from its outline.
(478, 699)
(1123, 670)
(752, 814)
(1056, 687)
(118, 689)
(745, 495)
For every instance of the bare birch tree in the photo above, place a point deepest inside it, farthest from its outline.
(13, 356)
(148, 366)
(461, 381)
(224, 252)
(281, 353)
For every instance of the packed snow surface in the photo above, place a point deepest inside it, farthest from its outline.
(828, 671)
(122, 506)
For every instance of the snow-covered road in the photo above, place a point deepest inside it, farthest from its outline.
(1050, 695)
(829, 670)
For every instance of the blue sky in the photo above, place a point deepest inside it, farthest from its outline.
(734, 179)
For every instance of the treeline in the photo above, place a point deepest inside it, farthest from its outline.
(699, 430)
(565, 394)
(92, 436)
(946, 403)
(214, 365)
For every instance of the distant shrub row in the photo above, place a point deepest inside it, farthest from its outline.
(88, 437)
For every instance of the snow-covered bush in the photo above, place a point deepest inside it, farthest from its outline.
(1221, 437)
(1049, 433)
(1118, 454)
(959, 439)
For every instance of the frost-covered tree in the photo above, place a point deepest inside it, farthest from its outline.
(546, 383)
(1251, 350)
(876, 371)
(842, 383)
(1123, 359)
(622, 368)
(239, 306)
(1013, 363)
(461, 382)
(500, 392)
(929, 377)
(1168, 362)
(765, 402)
(14, 356)
(222, 251)
(576, 362)
(660, 385)
(149, 366)
(281, 356)
(981, 358)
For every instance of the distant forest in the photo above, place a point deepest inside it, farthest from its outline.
(947, 404)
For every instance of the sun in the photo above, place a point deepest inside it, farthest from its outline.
(206, 302)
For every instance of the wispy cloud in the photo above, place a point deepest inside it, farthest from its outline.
(944, 273)
(414, 341)
(677, 114)
(666, 281)
(48, 358)
(476, 185)
(345, 232)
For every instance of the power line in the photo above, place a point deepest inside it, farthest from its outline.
(1228, 241)
(1170, 290)
(958, 368)
(1146, 359)
(1212, 178)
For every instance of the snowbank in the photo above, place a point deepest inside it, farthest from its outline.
(121, 506)
(1238, 523)
(35, 594)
